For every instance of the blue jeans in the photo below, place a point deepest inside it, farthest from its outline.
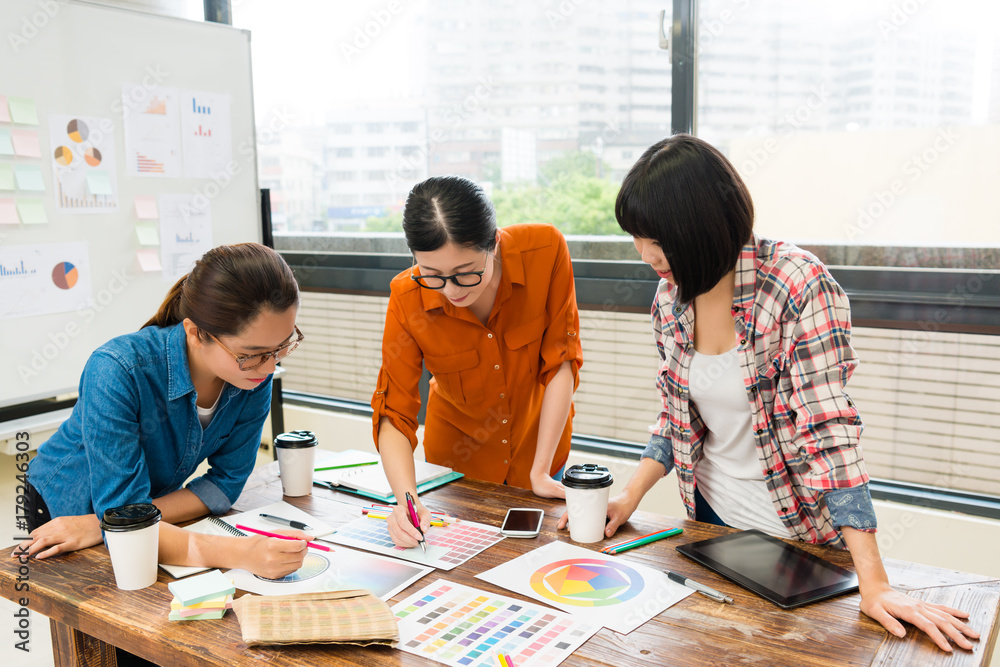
(703, 511)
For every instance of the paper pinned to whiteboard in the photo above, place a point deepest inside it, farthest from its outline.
(185, 232)
(43, 279)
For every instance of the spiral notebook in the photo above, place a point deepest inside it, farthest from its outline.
(212, 525)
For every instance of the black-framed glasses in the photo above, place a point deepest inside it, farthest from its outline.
(464, 279)
(249, 362)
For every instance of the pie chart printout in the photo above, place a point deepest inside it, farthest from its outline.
(65, 275)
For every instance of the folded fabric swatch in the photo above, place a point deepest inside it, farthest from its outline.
(334, 617)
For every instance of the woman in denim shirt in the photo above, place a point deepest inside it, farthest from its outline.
(193, 384)
(754, 343)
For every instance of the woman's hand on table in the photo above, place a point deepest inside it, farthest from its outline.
(401, 529)
(941, 623)
(543, 486)
(62, 535)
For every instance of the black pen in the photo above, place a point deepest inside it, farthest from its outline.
(701, 588)
(297, 525)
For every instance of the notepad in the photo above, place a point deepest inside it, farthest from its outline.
(203, 587)
(252, 519)
(372, 479)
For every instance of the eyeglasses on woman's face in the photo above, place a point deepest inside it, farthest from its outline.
(249, 362)
(464, 279)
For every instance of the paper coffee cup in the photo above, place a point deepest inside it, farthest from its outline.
(133, 536)
(296, 460)
(587, 489)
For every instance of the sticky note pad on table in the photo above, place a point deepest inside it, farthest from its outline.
(99, 182)
(202, 587)
(25, 143)
(29, 177)
(178, 615)
(220, 602)
(6, 176)
(32, 211)
(22, 110)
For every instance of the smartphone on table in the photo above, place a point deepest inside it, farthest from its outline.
(521, 522)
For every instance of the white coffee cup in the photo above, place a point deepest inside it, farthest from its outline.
(133, 536)
(296, 461)
(587, 488)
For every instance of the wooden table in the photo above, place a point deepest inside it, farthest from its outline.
(77, 592)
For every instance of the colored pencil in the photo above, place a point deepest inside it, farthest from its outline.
(640, 541)
(348, 465)
(282, 537)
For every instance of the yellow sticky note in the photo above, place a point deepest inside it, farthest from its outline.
(8, 212)
(32, 211)
(145, 208)
(149, 259)
(26, 143)
(6, 176)
(146, 231)
(22, 110)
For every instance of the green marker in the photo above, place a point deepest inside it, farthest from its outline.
(644, 540)
(349, 465)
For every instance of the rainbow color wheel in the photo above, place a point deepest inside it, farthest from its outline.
(587, 582)
(65, 275)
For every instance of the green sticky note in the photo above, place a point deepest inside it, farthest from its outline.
(99, 182)
(6, 176)
(29, 177)
(22, 110)
(32, 211)
(146, 231)
(6, 145)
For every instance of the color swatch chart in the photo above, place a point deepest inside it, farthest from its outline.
(447, 546)
(466, 627)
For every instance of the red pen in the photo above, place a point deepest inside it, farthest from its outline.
(414, 519)
(282, 537)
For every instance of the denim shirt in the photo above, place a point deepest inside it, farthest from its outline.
(134, 433)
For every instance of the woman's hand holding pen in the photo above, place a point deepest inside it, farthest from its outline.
(401, 529)
(273, 557)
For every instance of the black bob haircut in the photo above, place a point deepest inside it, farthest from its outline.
(684, 194)
(445, 209)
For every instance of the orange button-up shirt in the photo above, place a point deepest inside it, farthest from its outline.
(488, 380)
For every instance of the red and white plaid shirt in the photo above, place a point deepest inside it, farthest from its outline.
(794, 327)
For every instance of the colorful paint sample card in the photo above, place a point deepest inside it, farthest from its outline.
(601, 589)
(466, 627)
(447, 546)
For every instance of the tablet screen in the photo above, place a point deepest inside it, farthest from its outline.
(776, 570)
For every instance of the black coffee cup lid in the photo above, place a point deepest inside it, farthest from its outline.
(130, 517)
(295, 440)
(587, 476)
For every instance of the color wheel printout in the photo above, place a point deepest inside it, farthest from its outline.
(615, 593)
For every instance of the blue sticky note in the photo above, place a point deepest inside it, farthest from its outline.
(29, 178)
(99, 182)
(6, 145)
(202, 587)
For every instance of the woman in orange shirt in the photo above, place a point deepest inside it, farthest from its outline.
(492, 313)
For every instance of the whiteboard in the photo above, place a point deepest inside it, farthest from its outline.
(72, 59)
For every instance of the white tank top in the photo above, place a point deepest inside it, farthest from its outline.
(205, 414)
(728, 473)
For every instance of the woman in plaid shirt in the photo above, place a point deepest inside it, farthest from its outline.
(754, 343)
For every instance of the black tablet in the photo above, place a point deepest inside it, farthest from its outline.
(775, 570)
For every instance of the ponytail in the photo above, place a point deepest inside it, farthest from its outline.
(228, 288)
(170, 310)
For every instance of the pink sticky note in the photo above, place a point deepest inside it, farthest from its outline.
(8, 212)
(4, 111)
(149, 259)
(25, 143)
(145, 208)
